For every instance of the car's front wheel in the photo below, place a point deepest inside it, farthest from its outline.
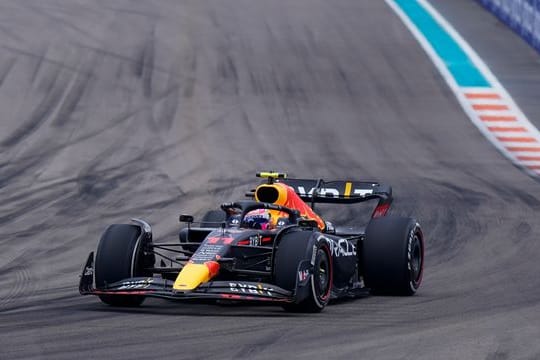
(119, 256)
(294, 248)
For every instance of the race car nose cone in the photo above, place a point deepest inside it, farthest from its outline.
(192, 275)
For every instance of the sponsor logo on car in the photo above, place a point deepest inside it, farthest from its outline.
(255, 240)
(340, 247)
(332, 192)
(88, 271)
(303, 275)
(245, 288)
(136, 284)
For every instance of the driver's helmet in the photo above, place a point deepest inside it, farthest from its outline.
(258, 219)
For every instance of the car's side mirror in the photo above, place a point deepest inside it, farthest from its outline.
(308, 223)
(186, 218)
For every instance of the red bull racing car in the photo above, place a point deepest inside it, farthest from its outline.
(272, 249)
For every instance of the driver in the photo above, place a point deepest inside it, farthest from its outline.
(259, 219)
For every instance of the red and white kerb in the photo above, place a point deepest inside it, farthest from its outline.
(501, 120)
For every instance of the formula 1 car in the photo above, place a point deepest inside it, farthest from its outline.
(271, 249)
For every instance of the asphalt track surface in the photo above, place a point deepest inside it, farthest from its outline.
(130, 108)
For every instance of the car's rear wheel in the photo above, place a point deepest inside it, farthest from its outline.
(293, 249)
(393, 256)
(119, 256)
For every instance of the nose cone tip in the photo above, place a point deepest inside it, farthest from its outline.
(193, 275)
(213, 268)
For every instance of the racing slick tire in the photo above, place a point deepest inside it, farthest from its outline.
(212, 218)
(119, 256)
(393, 256)
(293, 248)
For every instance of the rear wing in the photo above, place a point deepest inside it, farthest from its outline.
(337, 192)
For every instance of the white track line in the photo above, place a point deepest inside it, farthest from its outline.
(492, 110)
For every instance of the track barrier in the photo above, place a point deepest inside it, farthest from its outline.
(523, 16)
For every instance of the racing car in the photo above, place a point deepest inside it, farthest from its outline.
(272, 248)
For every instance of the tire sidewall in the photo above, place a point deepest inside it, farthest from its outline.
(119, 256)
(415, 234)
(128, 245)
(301, 246)
(321, 300)
(388, 255)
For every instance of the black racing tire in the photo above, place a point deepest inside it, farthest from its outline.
(212, 218)
(119, 256)
(393, 256)
(292, 249)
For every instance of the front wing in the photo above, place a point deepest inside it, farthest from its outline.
(161, 288)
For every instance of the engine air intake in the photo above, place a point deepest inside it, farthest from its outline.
(267, 194)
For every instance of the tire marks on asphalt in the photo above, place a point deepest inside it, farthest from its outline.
(145, 66)
(20, 283)
(5, 68)
(54, 88)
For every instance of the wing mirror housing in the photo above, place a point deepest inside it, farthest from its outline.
(308, 223)
(185, 218)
